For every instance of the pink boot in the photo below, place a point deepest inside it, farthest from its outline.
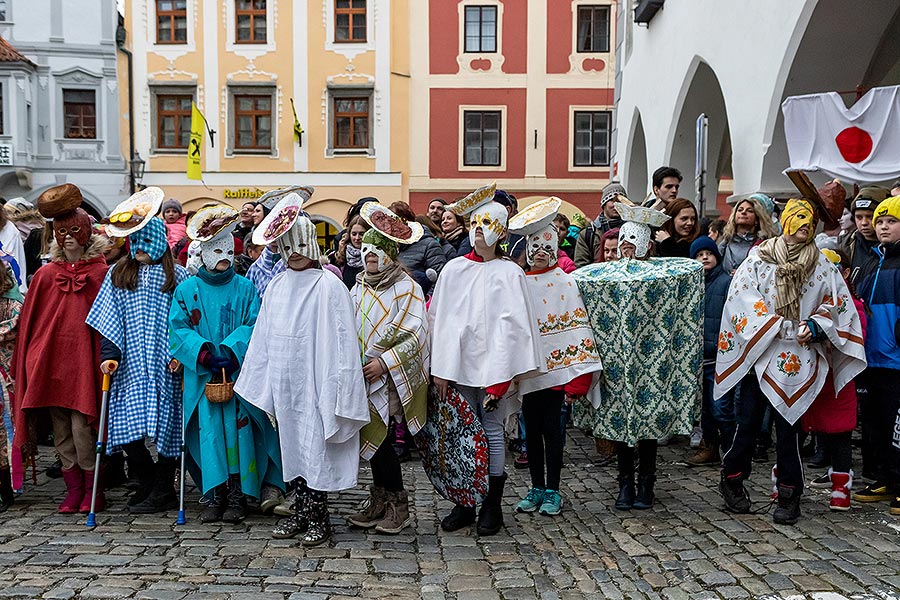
(840, 490)
(100, 503)
(74, 479)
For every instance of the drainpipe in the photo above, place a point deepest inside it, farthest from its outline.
(120, 44)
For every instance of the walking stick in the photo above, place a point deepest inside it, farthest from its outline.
(101, 434)
(181, 518)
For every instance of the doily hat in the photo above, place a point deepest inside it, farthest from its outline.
(282, 216)
(390, 225)
(535, 217)
(479, 197)
(133, 214)
(209, 221)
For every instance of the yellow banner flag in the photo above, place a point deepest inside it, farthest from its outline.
(195, 146)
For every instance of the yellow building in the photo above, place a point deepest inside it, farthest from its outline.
(341, 64)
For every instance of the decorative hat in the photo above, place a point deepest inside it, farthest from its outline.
(271, 198)
(642, 215)
(282, 216)
(481, 196)
(535, 217)
(390, 225)
(134, 213)
(209, 221)
(59, 200)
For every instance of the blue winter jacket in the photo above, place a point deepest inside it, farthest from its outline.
(879, 287)
(717, 283)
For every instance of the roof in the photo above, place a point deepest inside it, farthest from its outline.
(10, 54)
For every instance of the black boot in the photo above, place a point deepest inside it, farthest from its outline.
(319, 530)
(490, 517)
(625, 460)
(459, 517)
(7, 497)
(162, 496)
(114, 471)
(217, 503)
(645, 495)
(734, 494)
(141, 472)
(298, 521)
(236, 511)
(820, 458)
(646, 474)
(788, 510)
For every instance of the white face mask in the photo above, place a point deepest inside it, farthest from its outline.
(384, 261)
(637, 234)
(300, 238)
(194, 262)
(547, 239)
(491, 217)
(220, 248)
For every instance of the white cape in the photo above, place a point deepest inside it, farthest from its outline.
(304, 368)
(484, 331)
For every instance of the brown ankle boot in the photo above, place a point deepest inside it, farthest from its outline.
(372, 509)
(396, 514)
(706, 454)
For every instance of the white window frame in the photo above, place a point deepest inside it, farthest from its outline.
(243, 89)
(349, 50)
(504, 127)
(495, 57)
(346, 91)
(571, 140)
(171, 50)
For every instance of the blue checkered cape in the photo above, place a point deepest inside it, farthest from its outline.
(145, 398)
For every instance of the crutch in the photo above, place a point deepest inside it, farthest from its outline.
(101, 434)
(181, 518)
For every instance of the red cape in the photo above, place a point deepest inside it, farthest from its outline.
(57, 357)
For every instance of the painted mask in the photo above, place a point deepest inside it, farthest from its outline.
(547, 239)
(385, 249)
(637, 234)
(798, 213)
(151, 239)
(76, 223)
(194, 262)
(220, 248)
(491, 217)
(300, 238)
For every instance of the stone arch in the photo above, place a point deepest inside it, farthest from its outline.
(637, 179)
(701, 94)
(820, 62)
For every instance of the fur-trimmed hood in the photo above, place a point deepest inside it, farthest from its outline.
(97, 246)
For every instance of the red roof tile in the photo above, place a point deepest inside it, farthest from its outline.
(10, 54)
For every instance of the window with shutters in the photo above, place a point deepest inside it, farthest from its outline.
(80, 114)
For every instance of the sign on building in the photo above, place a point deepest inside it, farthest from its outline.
(6, 155)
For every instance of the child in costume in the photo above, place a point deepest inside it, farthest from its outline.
(787, 328)
(391, 321)
(303, 369)
(231, 447)
(483, 337)
(11, 300)
(56, 358)
(569, 351)
(131, 313)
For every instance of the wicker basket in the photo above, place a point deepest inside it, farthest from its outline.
(218, 393)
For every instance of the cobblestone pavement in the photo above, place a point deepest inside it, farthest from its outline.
(686, 547)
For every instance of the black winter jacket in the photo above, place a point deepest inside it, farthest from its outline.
(717, 283)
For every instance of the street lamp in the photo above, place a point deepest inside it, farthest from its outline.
(137, 170)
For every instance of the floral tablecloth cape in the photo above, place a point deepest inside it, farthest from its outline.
(647, 317)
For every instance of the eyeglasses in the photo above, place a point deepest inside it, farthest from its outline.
(64, 231)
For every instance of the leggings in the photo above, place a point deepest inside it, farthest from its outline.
(541, 412)
(386, 467)
(493, 427)
(838, 447)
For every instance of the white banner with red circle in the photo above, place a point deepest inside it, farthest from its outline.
(860, 144)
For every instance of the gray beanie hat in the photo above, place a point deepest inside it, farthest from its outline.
(611, 190)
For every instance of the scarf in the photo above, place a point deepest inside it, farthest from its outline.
(455, 234)
(217, 278)
(354, 257)
(795, 263)
(384, 279)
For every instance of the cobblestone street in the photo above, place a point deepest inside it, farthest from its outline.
(686, 547)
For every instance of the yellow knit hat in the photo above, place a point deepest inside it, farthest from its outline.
(888, 208)
(796, 214)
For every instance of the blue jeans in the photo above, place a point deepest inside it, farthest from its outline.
(716, 414)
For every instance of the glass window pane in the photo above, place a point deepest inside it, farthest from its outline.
(260, 4)
(361, 106)
(168, 139)
(164, 5)
(582, 121)
(361, 133)
(185, 103)
(582, 156)
(263, 103)
(343, 3)
(259, 28)
(491, 156)
(344, 106)
(342, 131)
(473, 120)
(491, 120)
(181, 29)
(167, 123)
(473, 155)
(245, 103)
(359, 3)
(180, 4)
(264, 138)
(264, 124)
(489, 14)
(167, 104)
(243, 4)
(245, 123)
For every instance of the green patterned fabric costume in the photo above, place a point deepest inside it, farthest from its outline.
(647, 317)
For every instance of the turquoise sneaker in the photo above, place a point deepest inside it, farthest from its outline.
(532, 501)
(552, 504)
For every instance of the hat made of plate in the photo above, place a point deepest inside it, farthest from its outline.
(388, 224)
(282, 217)
(271, 198)
(640, 214)
(133, 214)
(59, 200)
(482, 195)
(535, 217)
(209, 221)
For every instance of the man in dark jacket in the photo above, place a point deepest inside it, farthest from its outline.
(859, 244)
(588, 246)
(717, 414)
